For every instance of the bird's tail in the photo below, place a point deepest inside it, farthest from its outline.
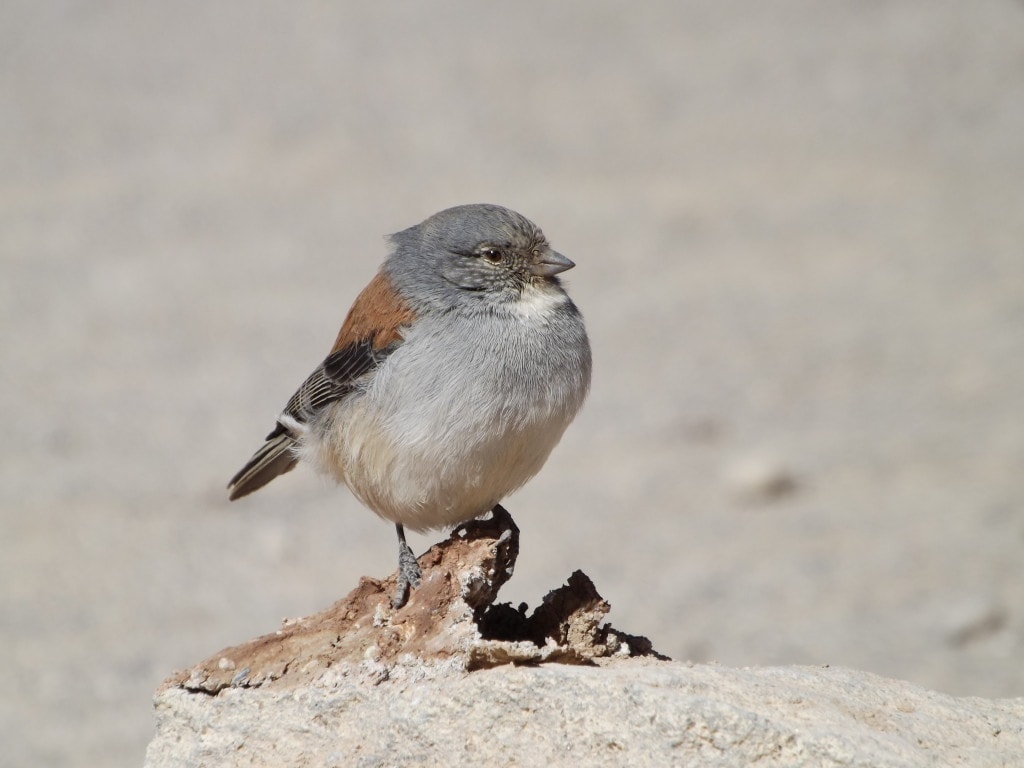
(275, 457)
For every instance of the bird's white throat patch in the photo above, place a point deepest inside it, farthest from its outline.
(538, 302)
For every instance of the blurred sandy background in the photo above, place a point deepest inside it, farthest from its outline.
(799, 227)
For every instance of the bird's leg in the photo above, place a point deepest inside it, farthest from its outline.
(409, 572)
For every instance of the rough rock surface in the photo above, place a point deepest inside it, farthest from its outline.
(630, 712)
(454, 679)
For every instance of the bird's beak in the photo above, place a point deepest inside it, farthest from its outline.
(550, 264)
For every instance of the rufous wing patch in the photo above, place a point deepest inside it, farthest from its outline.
(377, 315)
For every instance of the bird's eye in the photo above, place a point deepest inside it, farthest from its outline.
(493, 255)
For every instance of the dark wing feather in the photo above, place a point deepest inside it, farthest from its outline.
(333, 379)
(371, 331)
(275, 457)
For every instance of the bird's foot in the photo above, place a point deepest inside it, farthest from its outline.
(409, 575)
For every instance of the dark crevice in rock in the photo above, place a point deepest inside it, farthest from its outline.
(568, 617)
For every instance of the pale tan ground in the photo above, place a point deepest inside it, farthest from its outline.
(799, 227)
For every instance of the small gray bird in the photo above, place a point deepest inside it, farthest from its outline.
(453, 377)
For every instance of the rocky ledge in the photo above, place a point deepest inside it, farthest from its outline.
(454, 678)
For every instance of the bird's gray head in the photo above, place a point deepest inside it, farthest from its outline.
(473, 255)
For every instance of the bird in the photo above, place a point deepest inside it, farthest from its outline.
(455, 373)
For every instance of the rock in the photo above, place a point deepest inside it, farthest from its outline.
(454, 679)
(621, 712)
(761, 479)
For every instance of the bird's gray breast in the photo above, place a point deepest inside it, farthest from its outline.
(463, 412)
(489, 371)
